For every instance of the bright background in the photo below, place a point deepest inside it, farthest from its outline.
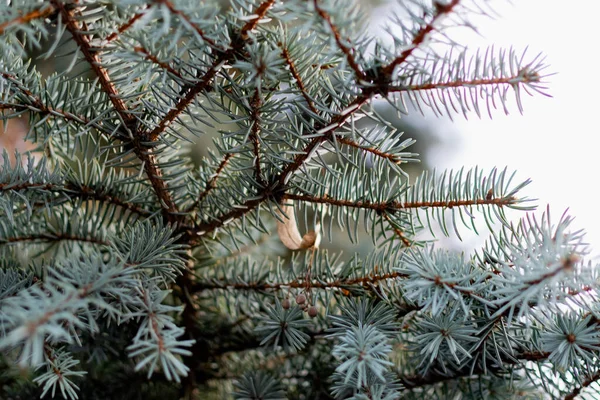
(556, 142)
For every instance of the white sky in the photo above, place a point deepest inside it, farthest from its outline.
(556, 142)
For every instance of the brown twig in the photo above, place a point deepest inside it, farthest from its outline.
(419, 38)
(373, 150)
(348, 51)
(288, 60)
(38, 13)
(260, 12)
(299, 284)
(126, 25)
(398, 231)
(184, 17)
(590, 380)
(212, 183)
(155, 60)
(52, 237)
(145, 155)
(510, 80)
(255, 105)
(396, 205)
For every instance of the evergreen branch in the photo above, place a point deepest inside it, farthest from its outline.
(52, 237)
(340, 284)
(37, 106)
(184, 17)
(396, 205)
(239, 211)
(288, 60)
(212, 183)
(260, 12)
(342, 139)
(373, 150)
(147, 157)
(590, 380)
(418, 381)
(255, 105)
(155, 60)
(91, 56)
(419, 38)
(126, 25)
(38, 13)
(398, 231)
(82, 192)
(204, 83)
(190, 95)
(522, 76)
(86, 192)
(326, 132)
(345, 49)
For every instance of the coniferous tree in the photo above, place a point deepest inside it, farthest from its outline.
(128, 272)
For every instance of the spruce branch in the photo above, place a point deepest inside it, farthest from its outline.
(121, 29)
(255, 129)
(39, 13)
(258, 15)
(148, 56)
(344, 285)
(347, 50)
(212, 182)
(185, 18)
(586, 383)
(420, 37)
(146, 155)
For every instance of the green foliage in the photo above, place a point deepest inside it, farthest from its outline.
(129, 272)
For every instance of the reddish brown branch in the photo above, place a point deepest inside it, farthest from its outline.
(395, 205)
(52, 237)
(125, 26)
(191, 94)
(81, 192)
(237, 212)
(184, 17)
(145, 155)
(510, 80)
(260, 12)
(91, 56)
(255, 105)
(300, 284)
(327, 132)
(421, 35)
(348, 51)
(373, 150)
(155, 60)
(212, 183)
(288, 60)
(41, 12)
(592, 379)
(311, 106)
(205, 82)
(398, 231)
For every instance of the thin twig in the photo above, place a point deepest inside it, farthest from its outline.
(212, 183)
(126, 25)
(38, 13)
(396, 205)
(299, 284)
(398, 231)
(155, 60)
(421, 35)
(255, 105)
(348, 51)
